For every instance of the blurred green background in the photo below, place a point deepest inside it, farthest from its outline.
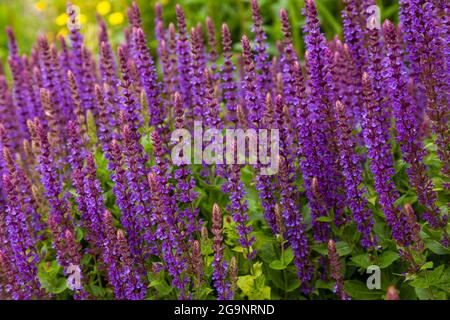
(32, 17)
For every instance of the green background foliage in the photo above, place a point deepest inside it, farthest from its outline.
(32, 17)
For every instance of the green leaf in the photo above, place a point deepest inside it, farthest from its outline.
(253, 286)
(267, 253)
(276, 277)
(159, 282)
(59, 286)
(324, 219)
(257, 269)
(358, 290)
(288, 256)
(320, 284)
(444, 281)
(246, 284)
(423, 293)
(427, 278)
(79, 234)
(362, 260)
(163, 288)
(97, 291)
(321, 248)
(436, 247)
(292, 285)
(277, 265)
(204, 292)
(426, 266)
(427, 294)
(434, 276)
(261, 294)
(420, 282)
(343, 248)
(387, 258)
(50, 278)
(372, 200)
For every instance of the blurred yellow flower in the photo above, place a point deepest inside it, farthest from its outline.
(103, 7)
(61, 20)
(165, 2)
(83, 19)
(40, 5)
(116, 18)
(63, 32)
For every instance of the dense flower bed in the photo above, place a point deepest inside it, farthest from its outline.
(92, 205)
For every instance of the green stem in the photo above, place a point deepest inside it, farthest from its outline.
(284, 271)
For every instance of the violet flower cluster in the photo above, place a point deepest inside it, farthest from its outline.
(87, 183)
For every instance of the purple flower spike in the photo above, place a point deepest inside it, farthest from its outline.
(184, 60)
(166, 219)
(169, 63)
(229, 86)
(250, 85)
(336, 271)
(59, 220)
(94, 203)
(352, 171)
(105, 113)
(17, 219)
(123, 198)
(408, 128)
(219, 264)
(8, 114)
(130, 107)
(117, 256)
(149, 78)
(239, 207)
(212, 54)
(428, 53)
(262, 61)
(197, 78)
(160, 32)
(80, 64)
(379, 153)
(323, 123)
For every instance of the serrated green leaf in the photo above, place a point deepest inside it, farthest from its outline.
(261, 294)
(420, 282)
(246, 283)
(362, 260)
(434, 275)
(387, 258)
